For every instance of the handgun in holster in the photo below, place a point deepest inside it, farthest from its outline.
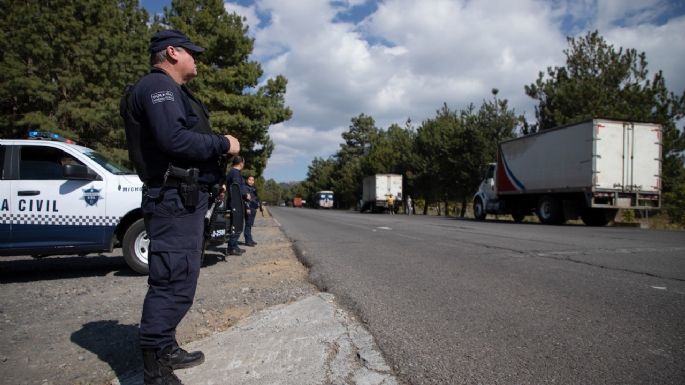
(186, 182)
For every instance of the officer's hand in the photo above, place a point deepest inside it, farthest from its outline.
(233, 145)
(222, 193)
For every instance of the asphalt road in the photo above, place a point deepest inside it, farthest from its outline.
(463, 302)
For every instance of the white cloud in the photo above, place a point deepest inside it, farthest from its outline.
(664, 46)
(409, 57)
(249, 13)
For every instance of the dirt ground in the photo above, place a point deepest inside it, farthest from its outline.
(74, 320)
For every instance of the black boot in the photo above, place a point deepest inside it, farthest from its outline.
(180, 359)
(156, 370)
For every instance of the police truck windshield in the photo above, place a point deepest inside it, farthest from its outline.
(108, 164)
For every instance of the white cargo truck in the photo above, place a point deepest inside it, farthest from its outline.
(377, 188)
(587, 170)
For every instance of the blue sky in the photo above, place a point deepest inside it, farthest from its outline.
(399, 59)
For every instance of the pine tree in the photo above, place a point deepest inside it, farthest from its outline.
(65, 64)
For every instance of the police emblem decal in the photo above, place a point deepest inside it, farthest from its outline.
(91, 196)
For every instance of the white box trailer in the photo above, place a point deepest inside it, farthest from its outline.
(376, 188)
(589, 169)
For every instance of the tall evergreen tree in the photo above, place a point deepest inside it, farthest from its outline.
(436, 140)
(348, 175)
(64, 65)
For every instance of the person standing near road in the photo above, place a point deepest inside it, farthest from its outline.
(251, 211)
(234, 176)
(410, 206)
(177, 157)
(391, 204)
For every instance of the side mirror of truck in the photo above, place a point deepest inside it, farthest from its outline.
(78, 171)
(488, 172)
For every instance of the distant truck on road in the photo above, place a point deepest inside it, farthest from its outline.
(375, 191)
(297, 201)
(323, 199)
(587, 170)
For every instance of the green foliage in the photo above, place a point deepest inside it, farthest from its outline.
(628, 216)
(674, 204)
(65, 64)
(441, 160)
(348, 175)
(454, 146)
(319, 177)
(271, 192)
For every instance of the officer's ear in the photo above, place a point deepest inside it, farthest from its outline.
(172, 54)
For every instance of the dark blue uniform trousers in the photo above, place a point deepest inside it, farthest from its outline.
(249, 222)
(176, 235)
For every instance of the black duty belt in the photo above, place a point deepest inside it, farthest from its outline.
(174, 183)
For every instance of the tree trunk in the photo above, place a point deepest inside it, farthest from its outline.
(463, 206)
(425, 207)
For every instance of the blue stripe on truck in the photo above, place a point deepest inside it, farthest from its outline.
(511, 175)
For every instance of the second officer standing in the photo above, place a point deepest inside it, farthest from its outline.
(251, 207)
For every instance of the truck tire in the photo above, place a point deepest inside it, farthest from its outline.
(479, 209)
(549, 211)
(597, 217)
(136, 246)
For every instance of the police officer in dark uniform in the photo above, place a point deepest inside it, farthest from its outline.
(177, 157)
(252, 206)
(234, 177)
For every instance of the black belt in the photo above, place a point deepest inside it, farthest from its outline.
(175, 184)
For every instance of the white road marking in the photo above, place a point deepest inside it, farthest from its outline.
(384, 228)
(659, 287)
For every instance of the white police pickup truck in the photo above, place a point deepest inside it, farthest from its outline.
(60, 198)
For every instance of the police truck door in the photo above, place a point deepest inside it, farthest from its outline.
(50, 210)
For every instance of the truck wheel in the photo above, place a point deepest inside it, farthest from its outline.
(479, 209)
(136, 246)
(550, 211)
(597, 217)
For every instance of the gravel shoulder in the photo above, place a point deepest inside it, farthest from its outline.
(74, 320)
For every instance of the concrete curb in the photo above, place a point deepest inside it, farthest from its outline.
(311, 341)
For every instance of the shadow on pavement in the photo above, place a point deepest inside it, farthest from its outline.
(113, 343)
(28, 269)
(214, 255)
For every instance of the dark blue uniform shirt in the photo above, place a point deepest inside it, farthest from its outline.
(176, 129)
(234, 176)
(254, 202)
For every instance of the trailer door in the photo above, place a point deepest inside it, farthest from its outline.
(646, 163)
(627, 156)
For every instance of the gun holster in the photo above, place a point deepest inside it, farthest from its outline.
(186, 182)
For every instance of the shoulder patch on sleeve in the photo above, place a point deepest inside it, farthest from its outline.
(162, 96)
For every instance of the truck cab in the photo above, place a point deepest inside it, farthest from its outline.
(57, 197)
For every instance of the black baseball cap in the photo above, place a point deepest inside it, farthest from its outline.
(174, 38)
